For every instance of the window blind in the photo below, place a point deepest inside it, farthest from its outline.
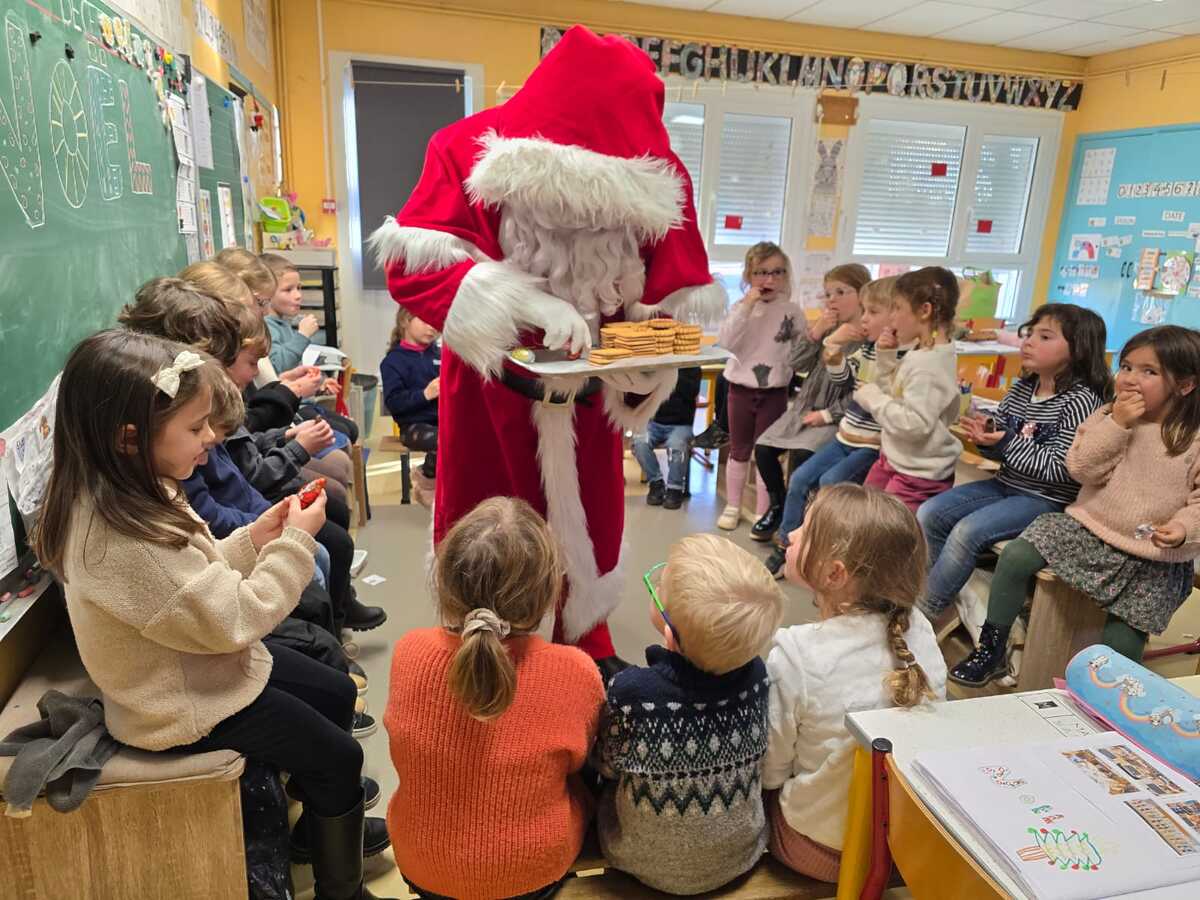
(1001, 195)
(909, 184)
(685, 127)
(752, 181)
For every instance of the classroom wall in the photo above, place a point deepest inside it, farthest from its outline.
(209, 62)
(504, 38)
(1139, 88)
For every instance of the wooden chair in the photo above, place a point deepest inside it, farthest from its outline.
(393, 444)
(362, 503)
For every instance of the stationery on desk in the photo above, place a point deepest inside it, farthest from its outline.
(327, 359)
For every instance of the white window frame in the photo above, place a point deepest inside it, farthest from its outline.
(766, 100)
(980, 120)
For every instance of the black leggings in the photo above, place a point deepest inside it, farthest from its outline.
(422, 436)
(540, 894)
(770, 470)
(720, 403)
(300, 723)
(336, 539)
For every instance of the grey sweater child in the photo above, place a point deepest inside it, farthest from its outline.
(682, 808)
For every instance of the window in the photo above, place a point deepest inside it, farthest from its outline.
(909, 185)
(948, 183)
(745, 150)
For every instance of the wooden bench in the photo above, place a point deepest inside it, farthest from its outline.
(156, 824)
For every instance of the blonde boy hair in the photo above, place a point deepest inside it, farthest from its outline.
(252, 330)
(213, 278)
(278, 265)
(248, 267)
(228, 408)
(722, 602)
(878, 540)
(878, 293)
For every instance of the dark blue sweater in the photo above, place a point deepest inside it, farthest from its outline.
(221, 495)
(406, 373)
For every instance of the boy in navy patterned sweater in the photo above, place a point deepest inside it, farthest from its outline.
(682, 739)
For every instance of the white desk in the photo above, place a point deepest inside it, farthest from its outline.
(984, 721)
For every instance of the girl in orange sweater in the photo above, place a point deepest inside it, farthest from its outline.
(489, 724)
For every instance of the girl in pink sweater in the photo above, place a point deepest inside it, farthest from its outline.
(1130, 539)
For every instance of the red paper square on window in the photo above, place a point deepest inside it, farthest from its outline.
(937, 170)
(733, 223)
(983, 226)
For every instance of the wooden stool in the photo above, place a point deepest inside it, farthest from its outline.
(392, 444)
(1062, 621)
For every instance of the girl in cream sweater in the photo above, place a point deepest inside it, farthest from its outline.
(168, 620)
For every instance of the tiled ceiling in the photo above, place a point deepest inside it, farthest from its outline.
(1077, 27)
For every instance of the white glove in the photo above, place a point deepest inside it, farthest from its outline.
(632, 382)
(564, 327)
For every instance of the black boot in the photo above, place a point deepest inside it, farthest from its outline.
(764, 529)
(360, 617)
(987, 661)
(610, 666)
(374, 837)
(337, 856)
(714, 437)
(658, 490)
(674, 498)
(776, 560)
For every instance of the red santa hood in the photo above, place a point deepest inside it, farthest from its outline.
(582, 144)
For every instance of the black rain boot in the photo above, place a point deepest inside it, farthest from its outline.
(764, 529)
(776, 560)
(374, 837)
(337, 856)
(656, 493)
(987, 661)
(360, 617)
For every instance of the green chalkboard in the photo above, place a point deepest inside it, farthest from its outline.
(226, 168)
(87, 187)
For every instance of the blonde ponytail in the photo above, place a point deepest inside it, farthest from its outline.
(908, 683)
(498, 570)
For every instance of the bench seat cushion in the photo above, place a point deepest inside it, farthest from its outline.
(58, 667)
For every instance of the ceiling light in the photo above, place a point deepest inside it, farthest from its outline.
(687, 120)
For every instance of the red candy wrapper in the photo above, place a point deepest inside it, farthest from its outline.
(310, 492)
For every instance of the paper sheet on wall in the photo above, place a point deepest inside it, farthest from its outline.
(201, 122)
(28, 452)
(254, 28)
(826, 186)
(1095, 176)
(8, 540)
(208, 247)
(214, 33)
(162, 19)
(185, 198)
(808, 286)
(225, 209)
(181, 128)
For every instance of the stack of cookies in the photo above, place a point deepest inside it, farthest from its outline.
(687, 338)
(602, 356)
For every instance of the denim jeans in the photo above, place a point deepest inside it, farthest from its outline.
(963, 522)
(832, 464)
(321, 567)
(676, 438)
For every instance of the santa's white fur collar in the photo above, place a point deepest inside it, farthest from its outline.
(565, 186)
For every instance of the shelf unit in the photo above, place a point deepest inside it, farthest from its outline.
(318, 282)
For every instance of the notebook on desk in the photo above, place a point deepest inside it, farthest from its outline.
(1081, 817)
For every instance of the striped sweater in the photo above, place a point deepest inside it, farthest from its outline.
(858, 427)
(1038, 433)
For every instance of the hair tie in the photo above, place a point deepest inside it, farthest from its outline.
(167, 378)
(482, 619)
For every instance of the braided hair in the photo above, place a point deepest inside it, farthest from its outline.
(878, 540)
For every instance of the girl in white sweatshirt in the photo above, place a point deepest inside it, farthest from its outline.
(915, 401)
(863, 555)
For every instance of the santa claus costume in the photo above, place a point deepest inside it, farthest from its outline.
(532, 224)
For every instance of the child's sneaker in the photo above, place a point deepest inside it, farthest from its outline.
(656, 493)
(356, 564)
(729, 518)
(364, 726)
(673, 499)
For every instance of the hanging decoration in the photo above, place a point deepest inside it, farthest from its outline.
(724, 63)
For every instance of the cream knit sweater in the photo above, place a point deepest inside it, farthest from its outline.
(1129, 480)
(173, 637)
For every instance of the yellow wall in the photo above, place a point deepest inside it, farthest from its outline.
(504, 38)
(208, 62)
(1123, 90)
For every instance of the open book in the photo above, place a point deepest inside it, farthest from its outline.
(327, 359)
(1078, 818)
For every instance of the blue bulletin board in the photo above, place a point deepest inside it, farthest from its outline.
(1132, 192)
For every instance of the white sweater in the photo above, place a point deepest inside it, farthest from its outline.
(818, 673)
(915, 402)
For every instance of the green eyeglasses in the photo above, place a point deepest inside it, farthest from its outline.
(649, 579)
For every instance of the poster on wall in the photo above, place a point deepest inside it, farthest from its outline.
(208, 247)
(254, 25)
(1095, 176)
(1084, 247)
(215, 34)
(225, 210)
(162, 19)
(827, 185)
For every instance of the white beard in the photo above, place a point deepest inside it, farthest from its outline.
(598, 272)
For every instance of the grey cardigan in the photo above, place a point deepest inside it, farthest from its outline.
(817, 392)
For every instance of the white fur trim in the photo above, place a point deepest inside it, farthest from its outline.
(634, 418)
(495, 301)
(565, 186)
(701, 305)
(592, 596)
(420, 249)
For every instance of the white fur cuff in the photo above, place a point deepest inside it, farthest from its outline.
(634, 418)
(701, 305)
(419, 249)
